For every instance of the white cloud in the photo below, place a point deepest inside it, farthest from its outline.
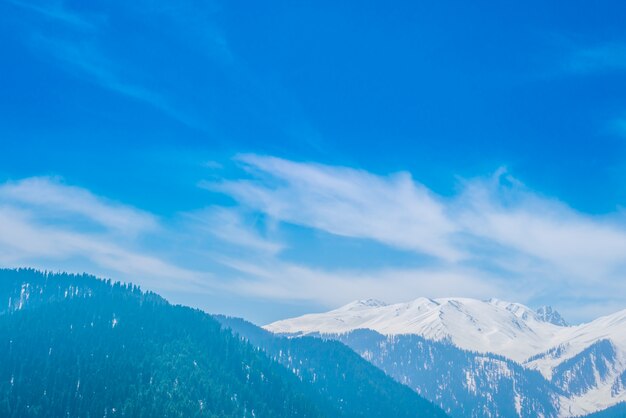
(273, 279)
(229, 225)
(394, 210)
(57, 198)
(575, 245)
(494, 238)
(48, 224)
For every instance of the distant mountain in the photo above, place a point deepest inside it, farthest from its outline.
(464, 383)
(547, 314)
(76, 346)
(495, 326)
(583, 367)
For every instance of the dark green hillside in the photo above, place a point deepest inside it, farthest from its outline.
(76, 346)
(338, 374)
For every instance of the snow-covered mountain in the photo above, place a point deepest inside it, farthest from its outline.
(585, 364)
(547, 314)
(463, 383)
(495, 326)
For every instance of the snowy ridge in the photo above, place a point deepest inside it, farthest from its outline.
(588, 360)
(505, 328)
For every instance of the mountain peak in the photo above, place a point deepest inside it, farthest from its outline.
(547, 314)
(366, 303)
(483, 326)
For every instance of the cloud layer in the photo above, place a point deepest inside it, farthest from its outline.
(494, 238)
(47, 224)
(347, 202)
(494, 235)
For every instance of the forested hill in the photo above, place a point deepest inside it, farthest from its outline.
(77, 346)
(338, 372)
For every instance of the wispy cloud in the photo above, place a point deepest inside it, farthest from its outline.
(495, 235)
(45, 223)
(394, 210)
(577, 245)
(172, 58)
(78, 44)
(86, 60)
(273, 279)
(230, 226)
(494, 238)
(51, 196)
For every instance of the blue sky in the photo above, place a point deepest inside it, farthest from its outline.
(265, 160)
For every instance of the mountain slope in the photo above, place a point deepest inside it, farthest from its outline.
(338, 372)
(76, 346)
(584, 365)
(464, 383)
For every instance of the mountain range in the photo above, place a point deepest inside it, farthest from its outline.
(538, 363)
(77, 346)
